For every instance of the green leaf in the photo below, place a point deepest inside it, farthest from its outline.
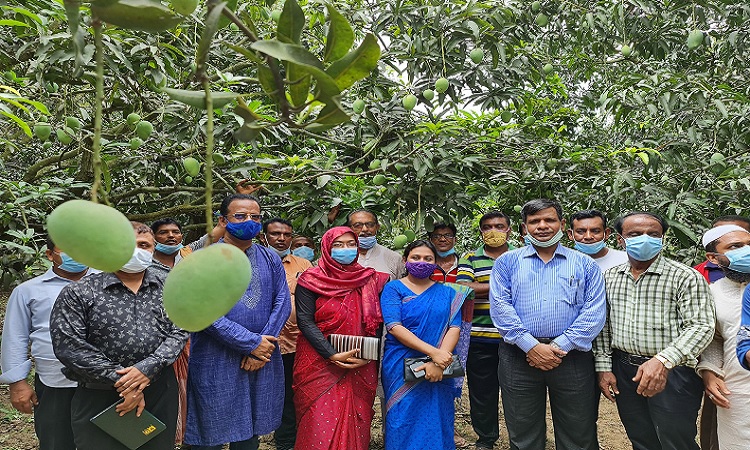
(357, 64)
(212, 26)
(21, 123)
(720, 106)
(340, 35)
(299, 83)
(291, 22)
(197, 99)
(143, 15)
(330, 116)
(326, 86)
(73, 12)
(232, 6)
(13, 23)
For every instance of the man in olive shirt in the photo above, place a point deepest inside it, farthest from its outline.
(660, 318)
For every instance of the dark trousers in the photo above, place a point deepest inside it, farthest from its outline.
(249, 444)
(484, 392)
(573, 398)
(52, 417)
(286, 434)
(161, 401)
(709, 437)
(665, 421)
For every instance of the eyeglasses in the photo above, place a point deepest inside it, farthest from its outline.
(241, 217)
(437, 237)
(360, 225)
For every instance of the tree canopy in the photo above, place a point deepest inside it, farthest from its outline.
(625, 105)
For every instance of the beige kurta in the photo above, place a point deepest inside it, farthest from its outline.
(734, 422)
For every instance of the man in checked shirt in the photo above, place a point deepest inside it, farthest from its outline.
(660, 318)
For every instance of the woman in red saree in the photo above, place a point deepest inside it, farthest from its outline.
(334, 392)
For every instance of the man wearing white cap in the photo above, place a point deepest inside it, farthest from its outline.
(709, 439)
(727, 383)
(660, 318)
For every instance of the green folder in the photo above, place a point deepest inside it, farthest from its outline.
(131, 431)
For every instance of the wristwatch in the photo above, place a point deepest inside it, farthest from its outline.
(667, 363)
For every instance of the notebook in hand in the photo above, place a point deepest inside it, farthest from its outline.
(369, 347)
(130, 430)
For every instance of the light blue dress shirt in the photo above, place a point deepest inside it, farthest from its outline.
(27, 320)
(562, 299)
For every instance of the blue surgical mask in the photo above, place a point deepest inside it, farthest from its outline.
(526, 240)
(168, 249)
(244, 231)
(643, 247)
(552, 241)
(281, 253)
(304, 252)
(590, 249)
(367, 242)
(140, 261)
(70, 265)
(739, 259)
(344, 256)
(447, 252)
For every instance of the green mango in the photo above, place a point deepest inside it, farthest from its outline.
(410, 235)
(42, 130)
(400, 241)
(442, 85)
(93, 234)
(144, 129)
(73, 123)
(206, 285)
(192, 166)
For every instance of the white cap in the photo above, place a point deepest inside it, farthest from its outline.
(717, 232)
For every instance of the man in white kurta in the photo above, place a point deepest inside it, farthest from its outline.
(727, 383)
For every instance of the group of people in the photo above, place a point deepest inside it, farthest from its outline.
(528, 324)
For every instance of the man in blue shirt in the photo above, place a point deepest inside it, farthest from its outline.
(548, 302)
(27, 322)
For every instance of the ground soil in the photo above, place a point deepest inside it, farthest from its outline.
(17, 430)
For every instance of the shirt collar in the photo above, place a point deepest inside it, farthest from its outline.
(657, 266)
(560, 250)
(110, 279)
(50, 275)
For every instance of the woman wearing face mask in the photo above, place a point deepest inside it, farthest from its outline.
(423, 318)
(334, 392)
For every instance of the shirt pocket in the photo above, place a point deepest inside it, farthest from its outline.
(569, 289)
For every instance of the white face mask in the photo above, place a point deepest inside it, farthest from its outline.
(140, 261)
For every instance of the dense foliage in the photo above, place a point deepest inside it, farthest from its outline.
(598, 104)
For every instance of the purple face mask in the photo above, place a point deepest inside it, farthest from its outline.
(420, 269)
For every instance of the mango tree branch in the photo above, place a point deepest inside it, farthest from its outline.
(32, 172)
(97, 159)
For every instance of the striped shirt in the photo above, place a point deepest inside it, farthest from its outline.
(476, 267)
(562, 299)
(667, 311)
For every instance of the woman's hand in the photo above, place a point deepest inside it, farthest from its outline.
(442, 358)
(346, 360)
(432, 372)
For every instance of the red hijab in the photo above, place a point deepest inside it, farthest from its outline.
(331, 279)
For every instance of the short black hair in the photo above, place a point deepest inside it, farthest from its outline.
(50, 243)
(224, 208)
(438, 225)
(536, 205)
(711, 246)
(587, 214)
(276, 220)
(732, 218)
(165, 221)
(420, 243)
(619, 221)
(494, 214)
(360, 210)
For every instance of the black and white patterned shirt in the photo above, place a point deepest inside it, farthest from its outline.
(99, 326)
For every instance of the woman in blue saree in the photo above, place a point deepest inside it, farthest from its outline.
(423, 318)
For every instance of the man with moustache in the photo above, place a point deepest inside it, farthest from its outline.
(660, 318)
(474, 270)
(371, 254)
(589, 231)
(726, 382)
(548, 303)
(169, 249)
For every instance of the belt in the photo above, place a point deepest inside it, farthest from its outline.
(545, 340)
(97, 386)
(629, 358)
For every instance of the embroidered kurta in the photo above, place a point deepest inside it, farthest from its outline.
(225, 402)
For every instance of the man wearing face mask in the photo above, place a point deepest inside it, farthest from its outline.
(474, 270)
(278, 233)
(303, 247)
(726, 382)
(111, 332)
(27, 318)
(236, 375)
(589, 231)
(660, 318)
(548, 303)
(371, 254)
(169, 249)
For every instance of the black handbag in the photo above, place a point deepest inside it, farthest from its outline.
(454, 370)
